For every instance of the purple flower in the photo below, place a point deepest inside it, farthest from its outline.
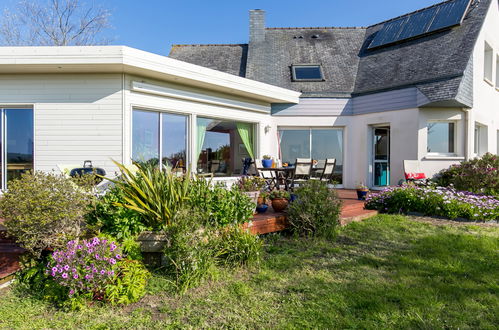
(112, 261)
(64, 275)
(71, 292)
(75, 276)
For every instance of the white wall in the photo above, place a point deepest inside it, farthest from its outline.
(77, 117)
(486, 97)
(357, 132)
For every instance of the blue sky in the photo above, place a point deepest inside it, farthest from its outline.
(153, 25)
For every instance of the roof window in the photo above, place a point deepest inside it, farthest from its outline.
(307, 72)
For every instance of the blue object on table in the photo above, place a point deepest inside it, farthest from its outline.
(262, 208)
(267, 163)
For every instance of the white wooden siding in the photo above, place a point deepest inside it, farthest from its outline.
(77, 116)
(314, 107)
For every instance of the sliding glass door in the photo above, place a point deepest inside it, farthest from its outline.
(314, 143)
(159, 135)
(16, 143)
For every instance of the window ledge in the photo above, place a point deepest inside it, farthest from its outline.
(436, 157)
(488, 81)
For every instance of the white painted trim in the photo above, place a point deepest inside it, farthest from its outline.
(196, 97)
(119, 59)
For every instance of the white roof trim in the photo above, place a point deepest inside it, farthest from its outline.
(106, 59)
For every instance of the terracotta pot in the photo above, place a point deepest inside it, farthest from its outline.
(279, 204)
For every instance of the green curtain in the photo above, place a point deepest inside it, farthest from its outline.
(202, 124)
(245, 131)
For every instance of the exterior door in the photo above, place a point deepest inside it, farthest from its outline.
(381, 156)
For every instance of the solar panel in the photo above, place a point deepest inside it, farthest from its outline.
(420, 23)
(449, 14)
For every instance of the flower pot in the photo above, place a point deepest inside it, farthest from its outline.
(262, 208)
(151, 242)
(361, 194)
(279, 204)
(267, 163)
(292, 198)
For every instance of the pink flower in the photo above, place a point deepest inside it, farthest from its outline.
(112, 261)
(64, 275)
(75, 276)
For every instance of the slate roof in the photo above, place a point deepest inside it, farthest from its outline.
(438, 64)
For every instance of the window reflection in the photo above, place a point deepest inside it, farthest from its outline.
(441, 137)
(145, 137)
(174, 140)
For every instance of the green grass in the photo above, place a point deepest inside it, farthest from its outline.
(387, 272)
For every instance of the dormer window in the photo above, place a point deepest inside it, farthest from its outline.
(307, 72)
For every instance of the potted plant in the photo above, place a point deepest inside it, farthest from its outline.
(362, 191)
(262, 202)
(267, 161)
(251, 186)
(280, 200)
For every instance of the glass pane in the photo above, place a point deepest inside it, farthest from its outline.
(381, 174)
(174, 140)
(441, 137)
(308, 73)
(145, 137)
(381, 144)
(19, 142)
(328, 143)
(294, 144)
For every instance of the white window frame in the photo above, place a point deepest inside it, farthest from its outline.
(480, 137)
(488, 64)
(443, 154)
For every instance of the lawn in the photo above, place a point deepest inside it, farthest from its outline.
(387, 272)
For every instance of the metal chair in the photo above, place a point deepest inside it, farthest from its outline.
(268, 176)
(318, 170)
(303, 168)
(327, 173)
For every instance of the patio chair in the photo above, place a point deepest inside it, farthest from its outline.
(303, 168)
(327, 173)
(413, 172)
(318, 170)
(268, 176)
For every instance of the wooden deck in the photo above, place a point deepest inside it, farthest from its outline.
(352, 211)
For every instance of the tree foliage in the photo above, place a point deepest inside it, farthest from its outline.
(54, 23)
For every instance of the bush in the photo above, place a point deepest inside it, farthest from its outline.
(234, 246)
(154, 194)
(95, 270)
(219, 206)
(316, 210)
(479, 175)
(189, 259)
(43, 210)
(446, 202)
(116, 221)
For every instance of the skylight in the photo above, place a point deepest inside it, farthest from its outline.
(307, 72)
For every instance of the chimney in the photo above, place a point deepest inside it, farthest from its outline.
(257, 25)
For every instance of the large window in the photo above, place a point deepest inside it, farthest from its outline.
(16, 143)
(159, 136)
(441, 138)
(313, 143)
(222, 145)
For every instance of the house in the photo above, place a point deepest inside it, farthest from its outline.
(423, 86)
(65, 105)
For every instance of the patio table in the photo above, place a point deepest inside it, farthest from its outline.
(281, 173)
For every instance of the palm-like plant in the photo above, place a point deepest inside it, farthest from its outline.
(155, 194)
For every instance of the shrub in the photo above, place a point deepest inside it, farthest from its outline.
(44, 210)
(117, 221)
(446, 202)
(219, 206)
(274, 194)
(234, 246)
(189, 259)
(129, 285)
(315, 212)
(85, 268)
(97, 270)
(153, 193)
(479, 175)
(251, 183)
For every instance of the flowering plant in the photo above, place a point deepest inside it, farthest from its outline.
(447, 202)
(85, 267)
